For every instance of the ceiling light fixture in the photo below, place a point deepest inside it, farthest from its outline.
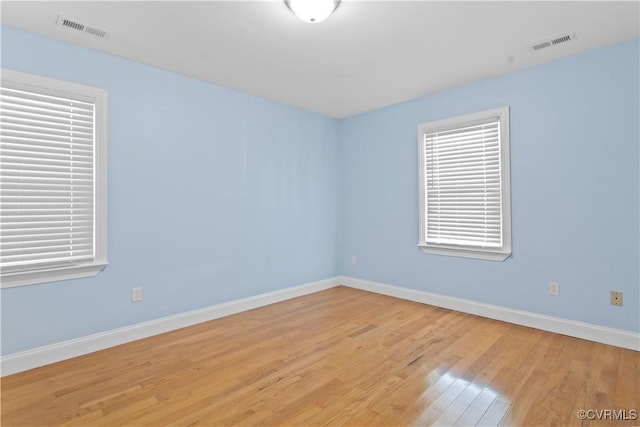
(312, 11)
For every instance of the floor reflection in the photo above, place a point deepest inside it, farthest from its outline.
(451, 400)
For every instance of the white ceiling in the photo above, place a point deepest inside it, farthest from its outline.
(367, 55)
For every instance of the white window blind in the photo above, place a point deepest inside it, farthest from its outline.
(48, 180)
(464, 186)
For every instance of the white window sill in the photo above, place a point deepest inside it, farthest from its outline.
(485, 254)
(25, 278)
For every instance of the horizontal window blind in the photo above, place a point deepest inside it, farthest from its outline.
(46, 180)
(463, 186)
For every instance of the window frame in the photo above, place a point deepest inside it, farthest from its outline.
(492, 254)
(48, 86)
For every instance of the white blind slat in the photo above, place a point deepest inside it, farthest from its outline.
(41, 122)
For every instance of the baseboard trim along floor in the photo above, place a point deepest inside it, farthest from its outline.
(587, 331)
(45, 355)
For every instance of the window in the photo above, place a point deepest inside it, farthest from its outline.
(52, 179)
(465, 207)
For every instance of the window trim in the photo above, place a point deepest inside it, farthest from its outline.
(492, 254)
(98, 97)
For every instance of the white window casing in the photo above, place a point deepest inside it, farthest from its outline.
(465, 202)
(53, 153)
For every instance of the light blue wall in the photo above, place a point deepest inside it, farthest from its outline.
(216, 195)
(213, 195)
(574, 191)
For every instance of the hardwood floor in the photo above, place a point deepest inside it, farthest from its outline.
(337, 357)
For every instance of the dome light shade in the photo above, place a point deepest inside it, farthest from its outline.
(312, 11)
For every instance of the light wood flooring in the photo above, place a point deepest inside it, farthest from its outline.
(337, 357)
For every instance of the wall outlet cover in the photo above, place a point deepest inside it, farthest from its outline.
(616, 298)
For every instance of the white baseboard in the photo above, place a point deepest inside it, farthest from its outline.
(587, 331)
(45, 355)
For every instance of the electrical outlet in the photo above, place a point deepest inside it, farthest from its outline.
(353, 260)
(554, 288)
(136, 294)
(616, 298)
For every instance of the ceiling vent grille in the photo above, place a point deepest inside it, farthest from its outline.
(553, 41)
(78, 26)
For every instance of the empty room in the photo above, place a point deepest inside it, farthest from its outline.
(320, 213)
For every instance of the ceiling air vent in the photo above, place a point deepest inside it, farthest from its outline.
(553, 41)
(78, 26)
